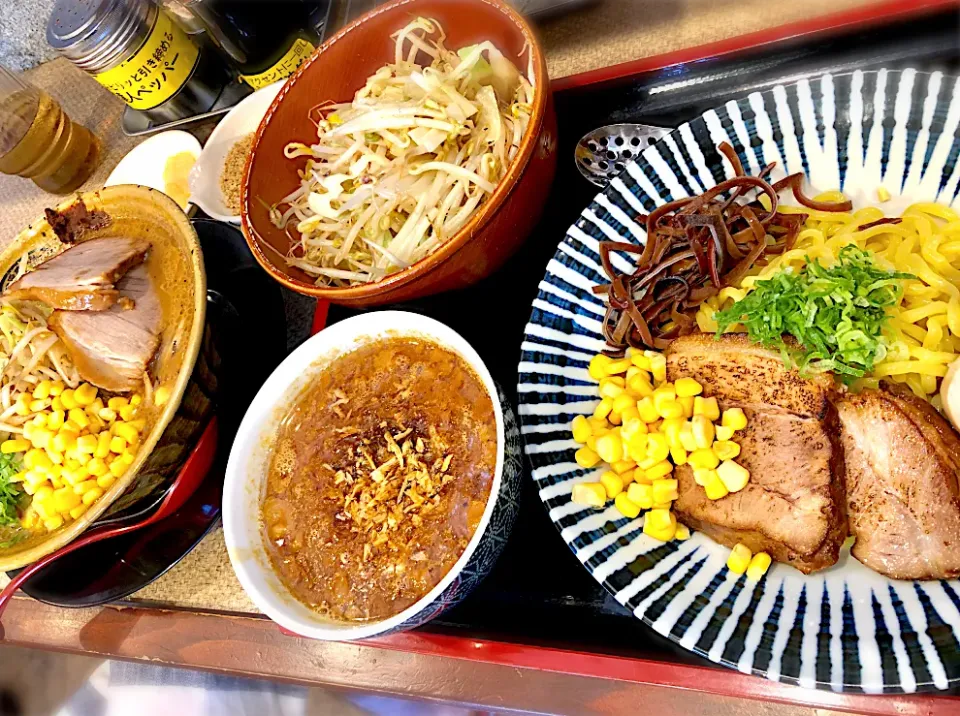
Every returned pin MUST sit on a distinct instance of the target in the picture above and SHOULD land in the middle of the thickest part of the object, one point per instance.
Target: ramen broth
(380, 475)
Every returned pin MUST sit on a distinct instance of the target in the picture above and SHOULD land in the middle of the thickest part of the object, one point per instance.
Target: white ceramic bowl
(250, 455)
(205, 175)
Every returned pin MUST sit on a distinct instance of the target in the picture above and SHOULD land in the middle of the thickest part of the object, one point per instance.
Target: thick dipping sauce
(379, 478)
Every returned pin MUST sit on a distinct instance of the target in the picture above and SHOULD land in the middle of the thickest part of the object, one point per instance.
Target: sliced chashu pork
(112, 348)
(82, 278)
(794, 505)
(902, 469)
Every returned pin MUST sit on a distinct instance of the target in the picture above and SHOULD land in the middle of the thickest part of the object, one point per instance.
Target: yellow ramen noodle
(924, 328)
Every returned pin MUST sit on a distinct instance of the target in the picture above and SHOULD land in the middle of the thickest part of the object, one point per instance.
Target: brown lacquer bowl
(335, 72)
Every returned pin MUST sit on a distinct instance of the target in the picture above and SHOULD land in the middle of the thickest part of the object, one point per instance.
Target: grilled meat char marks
(902, 484)
(83, 277)
(794, 505)
(112, 348)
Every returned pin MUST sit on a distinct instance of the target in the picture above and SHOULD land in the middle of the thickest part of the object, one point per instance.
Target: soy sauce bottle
(265, 40)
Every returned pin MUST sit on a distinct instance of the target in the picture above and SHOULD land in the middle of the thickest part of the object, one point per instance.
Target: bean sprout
(399, 170)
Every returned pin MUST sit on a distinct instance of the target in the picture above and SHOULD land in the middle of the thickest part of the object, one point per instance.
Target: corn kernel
(117, 468)
(632, 428)
(30, 519)
(65, 499)
(126, 431)
(665, 490)
(109, 415)
(703, 432)
(658, 448)
(53, 522)
(723, 433)
(68, 400)
(670, 409)
(706, 406)
(590, 494)
(85, 486)
(42, 391)
(55, 420)
(581, 430)
(626, 506)
(42, 494)
(37, 405)
(128, 412)
(18, 477)
(726, 449)
(609, 448)
(617, 367)
(734, 418)
(630, 413)
(682, 533)
(664, 391)
(640, 385)
(739, 559)
(78, 511)
(36, 458)
(715, 488)
(612, 483)
(95, 407)
(609, 388)
(16, 445)
(97, 467)
(759, 564)
(883, 194)
(687, 405)
(640, 495)
(39, 420)
(678, 455)
(596, 368)
(128, 458)
(654, 427)
(57, 388)
(117, 403)
(91, 496)
(687, 387)
(658, 366)
(640, 361)
(103, 444)
(57, 404)
(161, 395)
(637, 447)
(734, 475)
(85, 394)
(624, 401)
(702, 475)
(63, 441)
(602, 410)
(586, 457)
(614, 419)
(661, 469)
(79, 418)
(87, 444)
(660, 524)
(703, 458)
(56, 457)
(648, 412)
(687, 440)
(41, 437)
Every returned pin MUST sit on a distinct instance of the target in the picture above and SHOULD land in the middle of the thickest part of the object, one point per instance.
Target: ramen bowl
(185, 361)
(335, 72)
(247, 469)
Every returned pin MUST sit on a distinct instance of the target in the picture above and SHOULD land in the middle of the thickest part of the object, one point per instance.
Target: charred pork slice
(83, 277)
(902, 492)
(112, 348)
(794, 505)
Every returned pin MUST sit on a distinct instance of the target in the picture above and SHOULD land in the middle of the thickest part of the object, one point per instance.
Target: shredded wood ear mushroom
(395, 480)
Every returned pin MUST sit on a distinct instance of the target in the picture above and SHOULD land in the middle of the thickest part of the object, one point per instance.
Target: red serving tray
(640, 671)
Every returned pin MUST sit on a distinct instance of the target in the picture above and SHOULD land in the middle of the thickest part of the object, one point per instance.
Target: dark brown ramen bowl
(335, 72)
(187, 359)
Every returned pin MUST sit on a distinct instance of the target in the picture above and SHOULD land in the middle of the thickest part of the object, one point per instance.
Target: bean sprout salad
(399, 170)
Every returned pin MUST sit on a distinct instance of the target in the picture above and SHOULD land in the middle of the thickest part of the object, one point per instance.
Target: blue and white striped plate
(846, 628)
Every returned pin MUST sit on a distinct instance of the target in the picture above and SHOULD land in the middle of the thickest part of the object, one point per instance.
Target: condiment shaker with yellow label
(135, 50)
(39, 141)
(263, 40)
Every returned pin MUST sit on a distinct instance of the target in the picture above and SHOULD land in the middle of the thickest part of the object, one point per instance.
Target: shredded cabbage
(403, 167)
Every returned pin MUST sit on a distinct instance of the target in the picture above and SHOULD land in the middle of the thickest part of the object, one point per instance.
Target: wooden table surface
(198, 616)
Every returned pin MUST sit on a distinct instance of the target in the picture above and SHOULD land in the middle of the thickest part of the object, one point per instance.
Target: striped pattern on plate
(846, 628)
